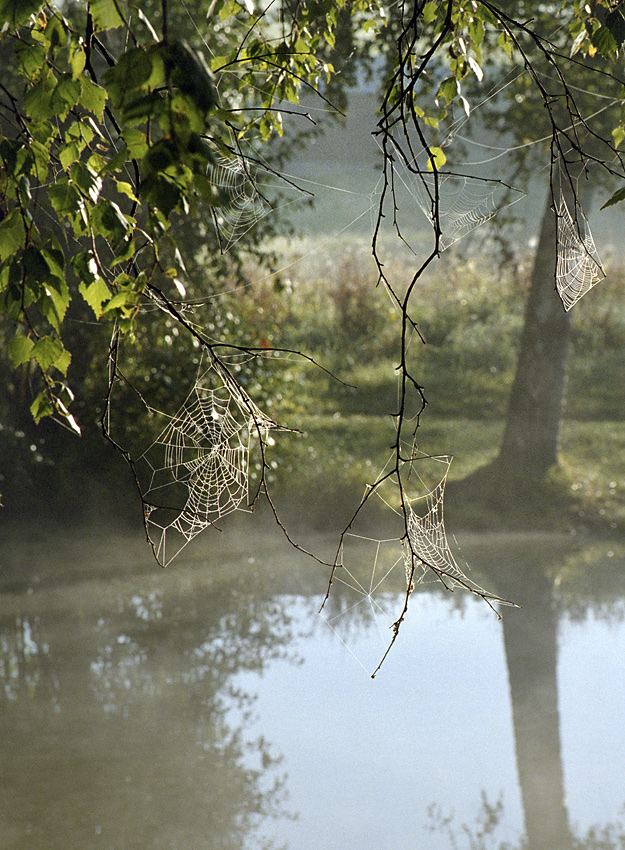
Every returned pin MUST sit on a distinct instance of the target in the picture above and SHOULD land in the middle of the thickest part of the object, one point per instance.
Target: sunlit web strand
(464, 202)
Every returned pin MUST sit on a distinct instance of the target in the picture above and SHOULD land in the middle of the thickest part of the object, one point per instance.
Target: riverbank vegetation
(470, 315)
(322, 300)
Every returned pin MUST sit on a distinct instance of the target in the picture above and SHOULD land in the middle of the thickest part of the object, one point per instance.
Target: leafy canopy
(109, 126)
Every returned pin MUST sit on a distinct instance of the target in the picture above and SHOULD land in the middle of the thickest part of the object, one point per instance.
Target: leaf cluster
(109, 130)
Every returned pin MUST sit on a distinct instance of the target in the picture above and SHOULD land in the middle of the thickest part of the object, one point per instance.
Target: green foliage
(106, 141)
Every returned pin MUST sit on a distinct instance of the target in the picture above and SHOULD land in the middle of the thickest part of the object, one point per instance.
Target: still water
(210, 706)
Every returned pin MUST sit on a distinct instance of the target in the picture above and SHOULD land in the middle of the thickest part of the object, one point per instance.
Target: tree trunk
(532, 433)
(530, 639)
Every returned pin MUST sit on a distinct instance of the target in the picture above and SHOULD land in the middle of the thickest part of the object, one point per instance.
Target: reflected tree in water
(533, 576)
(149, 725)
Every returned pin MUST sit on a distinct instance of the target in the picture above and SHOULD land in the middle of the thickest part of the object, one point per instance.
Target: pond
(210, 705)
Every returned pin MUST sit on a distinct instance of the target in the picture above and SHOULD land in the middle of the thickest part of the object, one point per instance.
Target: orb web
(368, 588)
(454, 204)
(374, 579)
(578, 266)
(240, 205)
(197, 469)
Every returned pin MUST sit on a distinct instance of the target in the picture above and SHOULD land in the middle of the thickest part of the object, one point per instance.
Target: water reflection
(120, 726)
(179, 709)
(549, 580)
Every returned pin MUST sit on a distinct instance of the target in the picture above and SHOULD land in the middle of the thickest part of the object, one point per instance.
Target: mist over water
(209, 705)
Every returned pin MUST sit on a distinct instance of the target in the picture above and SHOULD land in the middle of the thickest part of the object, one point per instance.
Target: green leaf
(437, 159)
(144, 106)
(54, 303)
(618, 134)
(31, 57)
(506, 44)
(77, 61)
(92, 288)
(605, 42)
(41, 406)
(12, 234)
(87, 180)
(38, 99)
(65, 198)
(136, 143)
(69, 154)
(189, 71)
(616, 24)
(54, 257)
(35, 266)
(430, 11)
(449, 89)
(131, 71)
(110, 222)
(92, 96)
(66, 95)
(95, 294)
(48, 351)
(123, 252)
(105, 15)
(616, 198)
(20, 349)
(15, 12)
(55, 32)
(228, 9)
(161, 155)
(163, 193)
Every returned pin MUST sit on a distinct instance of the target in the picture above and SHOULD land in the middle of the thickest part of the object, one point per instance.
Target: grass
(471, 315)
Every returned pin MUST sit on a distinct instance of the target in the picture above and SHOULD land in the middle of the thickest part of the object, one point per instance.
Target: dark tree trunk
(530, 634)
(532, 433)
(530, 639)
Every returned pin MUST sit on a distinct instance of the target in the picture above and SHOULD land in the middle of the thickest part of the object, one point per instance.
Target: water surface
(210, 706)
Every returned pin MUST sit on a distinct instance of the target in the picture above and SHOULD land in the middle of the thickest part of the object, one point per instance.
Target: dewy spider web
(375, 578)
(369, 584)
(240, 204)
(460, 202)
(427, 548)
(578, 266)
(197, 469)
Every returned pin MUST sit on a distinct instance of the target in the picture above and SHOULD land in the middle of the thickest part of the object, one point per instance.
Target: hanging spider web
(197, 469)
(241, 205)
(457, 203)
(427, 549)
(578, 266)
(369, 586)
(375, 578)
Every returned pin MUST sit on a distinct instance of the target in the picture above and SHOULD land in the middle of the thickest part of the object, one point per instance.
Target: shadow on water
(128, 697)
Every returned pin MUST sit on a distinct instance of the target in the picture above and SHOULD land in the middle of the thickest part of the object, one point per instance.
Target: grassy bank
(470, 313)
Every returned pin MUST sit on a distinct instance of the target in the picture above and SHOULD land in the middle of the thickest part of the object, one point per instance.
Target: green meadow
(469, 311)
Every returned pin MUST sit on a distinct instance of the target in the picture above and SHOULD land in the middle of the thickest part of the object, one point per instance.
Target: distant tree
(553, 78)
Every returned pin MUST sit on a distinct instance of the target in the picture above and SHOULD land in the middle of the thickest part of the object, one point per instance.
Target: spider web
(241, 205)
(197, 469)
(376, 577)
(457, 203)
(369, 586)
(427, 549)
(578, 266)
